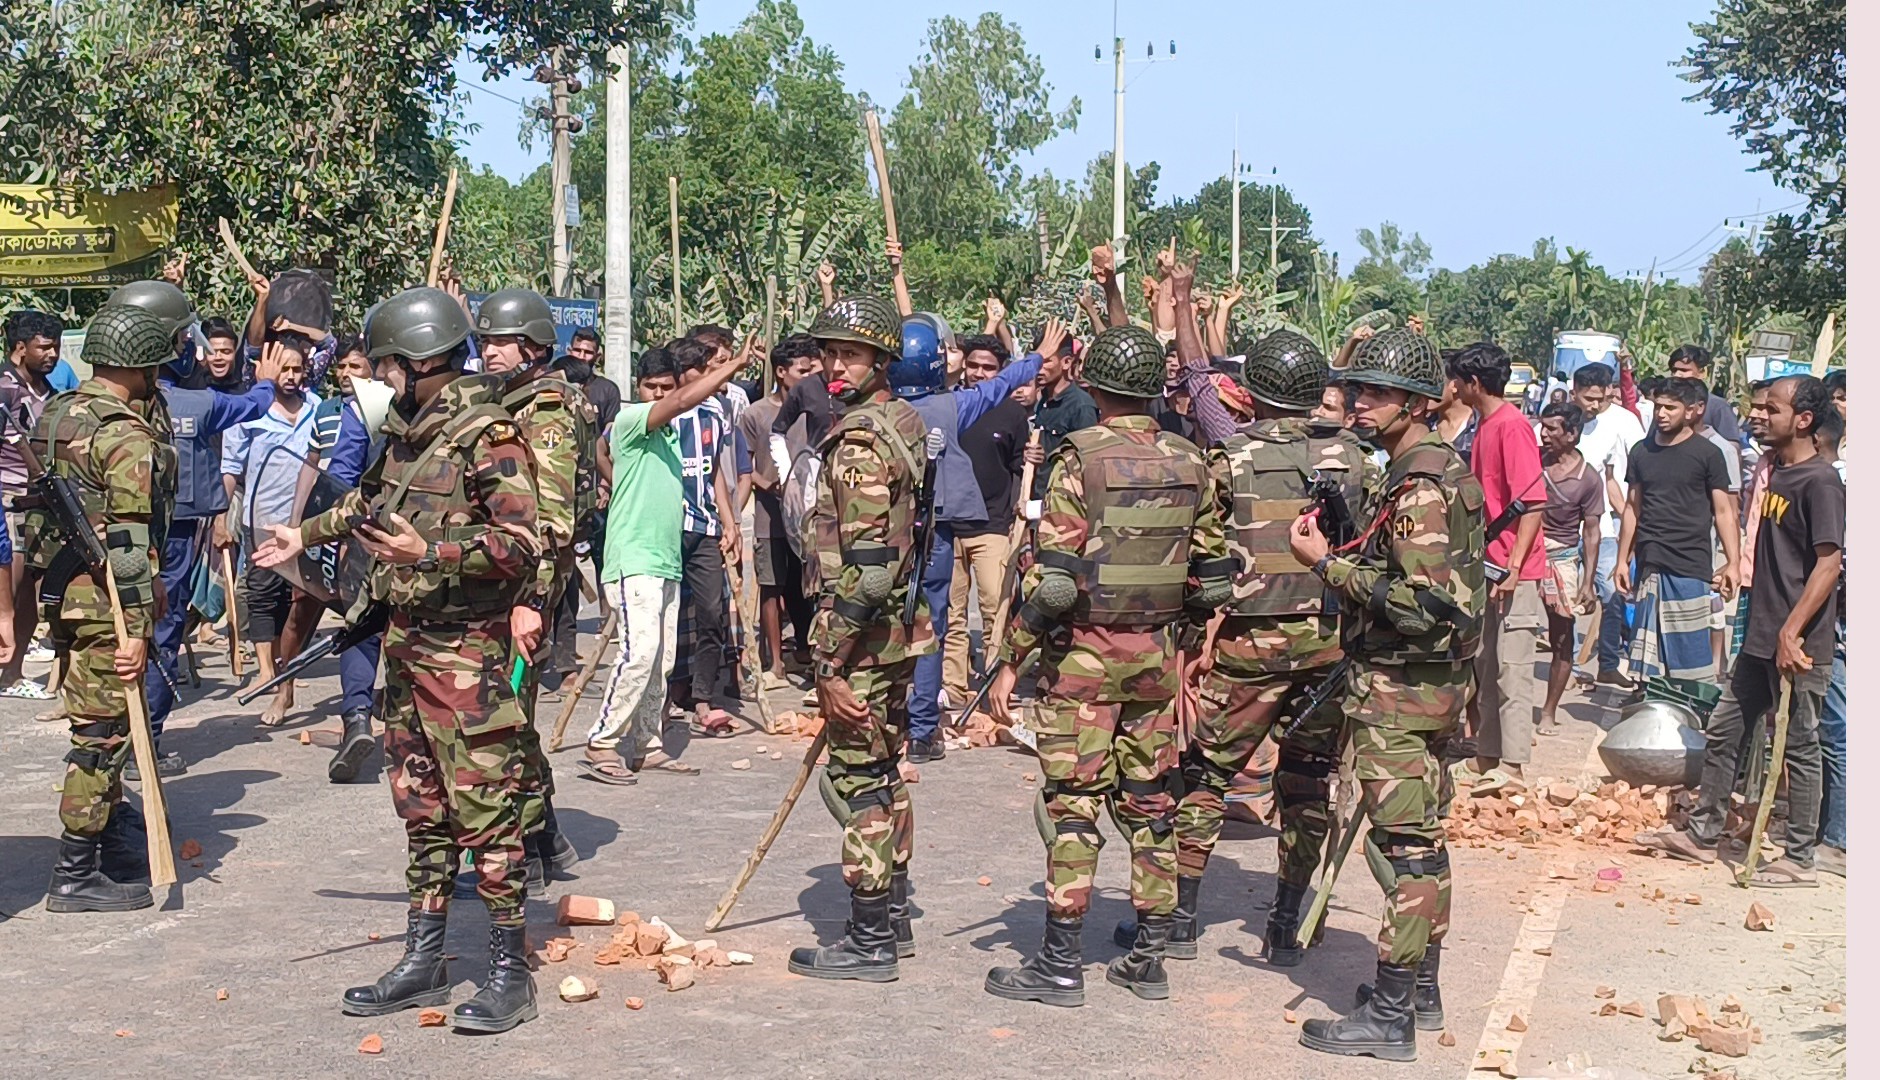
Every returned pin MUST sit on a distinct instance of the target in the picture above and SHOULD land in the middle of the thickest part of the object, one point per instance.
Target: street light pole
(1233, 176)
(1117, 173)
(619, 297)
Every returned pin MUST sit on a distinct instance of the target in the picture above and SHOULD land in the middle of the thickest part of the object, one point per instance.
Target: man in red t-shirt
(1507, 460)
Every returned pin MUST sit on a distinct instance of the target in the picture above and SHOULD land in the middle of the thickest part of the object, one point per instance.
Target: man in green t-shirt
(640, 576)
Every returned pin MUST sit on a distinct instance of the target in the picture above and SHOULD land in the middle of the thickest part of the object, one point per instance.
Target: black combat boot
(1428, 998)
(124, 849)
(1381, 1027)
(508, 995)
(1282, 947)
(899, 916)
(867, 952)
(355, 746)
(1184, 933)
(78, 884)
(1140, 969)
(1055, 976)
(420, 978)
(556, 853)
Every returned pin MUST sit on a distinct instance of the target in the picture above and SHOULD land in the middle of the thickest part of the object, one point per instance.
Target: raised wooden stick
(901, 298)
(234, 249)
(156, 815)
(573, 696)
(808, 766)
(443, 229)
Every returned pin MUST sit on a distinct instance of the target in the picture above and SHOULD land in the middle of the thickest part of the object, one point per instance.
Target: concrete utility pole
(1119, 174)
(563, 123)
(1273, 230)
(618, 315)
(1233, 174)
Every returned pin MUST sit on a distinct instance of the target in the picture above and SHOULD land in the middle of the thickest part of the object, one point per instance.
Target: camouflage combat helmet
(1286, 370)
(522, 312)
(1401, 358)
(126, 336)
(1126, 360)
(415, 324)
(867, 320)
(161, 299)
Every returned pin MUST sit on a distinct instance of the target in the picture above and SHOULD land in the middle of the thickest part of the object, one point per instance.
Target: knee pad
(1414, 856)
(1134, 794)
(1050, 828)
(1199, 771)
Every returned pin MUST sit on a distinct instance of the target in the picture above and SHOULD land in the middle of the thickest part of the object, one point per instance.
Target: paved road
(296, 874)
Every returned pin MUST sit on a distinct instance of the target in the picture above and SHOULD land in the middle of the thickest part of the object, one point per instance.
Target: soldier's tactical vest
(1457, 633)
(897, 433)
(63, 440)
(429, 487)
(1140, 501)
(1271, 467)
(523, 402)
(199, 490)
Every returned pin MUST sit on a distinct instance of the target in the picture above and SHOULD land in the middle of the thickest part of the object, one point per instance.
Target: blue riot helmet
(922, 365)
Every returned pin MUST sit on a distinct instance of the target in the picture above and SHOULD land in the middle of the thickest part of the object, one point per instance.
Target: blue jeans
(1834, 755)
(1612, 607)
(358, 670)
(923, 707)
(182, 549)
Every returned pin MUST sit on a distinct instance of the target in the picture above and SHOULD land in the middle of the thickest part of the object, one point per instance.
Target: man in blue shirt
(917, 378)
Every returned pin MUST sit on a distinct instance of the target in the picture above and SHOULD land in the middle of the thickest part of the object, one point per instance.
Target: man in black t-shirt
(1678, 488)
(1792, 610)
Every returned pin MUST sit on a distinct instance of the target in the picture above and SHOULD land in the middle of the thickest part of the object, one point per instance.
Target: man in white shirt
(1605, 439)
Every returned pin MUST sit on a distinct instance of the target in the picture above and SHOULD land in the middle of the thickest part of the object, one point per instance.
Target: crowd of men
(1353, 557)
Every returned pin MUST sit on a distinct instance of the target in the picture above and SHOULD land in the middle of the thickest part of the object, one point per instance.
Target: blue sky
(1481, 125)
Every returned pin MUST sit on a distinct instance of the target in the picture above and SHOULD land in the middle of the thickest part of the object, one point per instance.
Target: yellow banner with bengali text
(52, 237)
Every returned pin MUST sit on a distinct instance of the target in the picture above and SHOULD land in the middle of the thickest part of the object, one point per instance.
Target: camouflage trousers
(1122, 754)
(538, 780)
(1401, 716)
(453, 747)
(94, 697)
(1237, 714)
(864, 766)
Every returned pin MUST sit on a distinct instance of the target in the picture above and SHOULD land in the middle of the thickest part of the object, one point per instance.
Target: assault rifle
(923, 526)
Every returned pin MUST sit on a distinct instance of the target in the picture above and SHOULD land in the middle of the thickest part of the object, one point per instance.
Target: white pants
(646, 613)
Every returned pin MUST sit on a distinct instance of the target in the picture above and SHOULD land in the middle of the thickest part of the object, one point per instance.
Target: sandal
(1463, 774)
(27, 689)
(1497, 782)
(608, 770)
(1549, 727)
(664, 763)
(1676, 843)
(1784, 873)
(717, 726)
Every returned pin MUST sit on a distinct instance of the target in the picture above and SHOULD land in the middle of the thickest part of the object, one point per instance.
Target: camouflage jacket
(125, 472)
(460, 474)
(866, 499)
(558, 424)
(1416, 589)
(1251, 645)
(1106, 663)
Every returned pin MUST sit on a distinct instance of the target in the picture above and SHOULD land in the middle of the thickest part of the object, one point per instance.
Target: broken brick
(741, 764)
(1290, 1017)
(574, 988)
(739, 958)
(636, 1004)
(1730, 1042)
(306, 738)
(677, 976)
(1688, 1010)
(221, 995)
(1633, 1008)
(609, 954)
(432, 1018)
(985, 880)
(371, 1044)
(1517, 1023)
(1604, 991)
(1608, 1009)
(1759, 917)
(189, 850)
(628, 918)
(649, 939)
(557, 949)
(1445, 1039)
(584, 911)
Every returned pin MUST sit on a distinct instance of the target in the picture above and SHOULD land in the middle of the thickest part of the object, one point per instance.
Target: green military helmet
(161, 299)
(1126, 360)
(127, 336)
(1401, 358)
(521, 312)
(1286, 370)
(867, 320)
(415, 324)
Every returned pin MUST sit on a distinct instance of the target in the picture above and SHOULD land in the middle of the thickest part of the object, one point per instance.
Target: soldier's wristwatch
(427, 562)
(826, 670)
(1324, 561)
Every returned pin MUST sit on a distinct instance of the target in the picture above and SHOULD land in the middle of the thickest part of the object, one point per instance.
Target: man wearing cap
(449, 515)
(100, 438)
(1415, 590)
(1130, 517)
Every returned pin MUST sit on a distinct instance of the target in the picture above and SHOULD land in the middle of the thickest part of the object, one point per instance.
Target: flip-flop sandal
(607, 772)
(1677, 844)
(28, 690)
(57, 712)
(1549, 729)
(669, 765)
(1783, 874)
(719, 726)
(1496, 782)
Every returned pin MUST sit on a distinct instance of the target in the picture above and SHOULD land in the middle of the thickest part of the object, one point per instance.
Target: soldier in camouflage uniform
(1275, 643)
(516, 335)
(1415, 589)
(862, 530)
(1130, 516)
(448, 512)
(100, 438)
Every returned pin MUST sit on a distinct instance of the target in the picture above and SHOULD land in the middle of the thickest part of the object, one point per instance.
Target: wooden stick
(746, 611)
(234, 613)
(901, 298)
(1769, 784)
(1017, 537)
(156, 815)
(672, 202)
(771, 830)
(234, 249)
(443, 229)
(1328, 876)
(573, 696)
